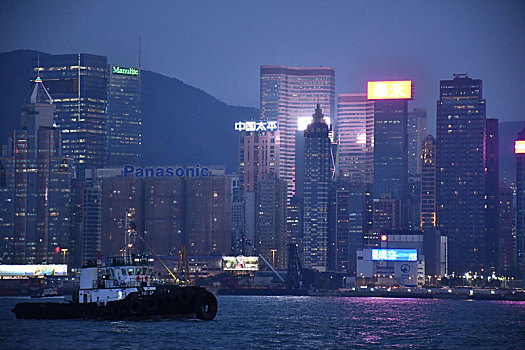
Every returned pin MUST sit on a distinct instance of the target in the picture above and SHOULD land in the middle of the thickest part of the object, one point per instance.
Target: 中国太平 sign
(125, 71)
(258, 125)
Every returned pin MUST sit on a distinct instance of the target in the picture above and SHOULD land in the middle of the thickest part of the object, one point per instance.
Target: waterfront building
(78, 85)
(169, 211)
(492, 193)
(520, 201)
(288, 95)
(318, 172)
(124, 119)
(41, 179)
(7, 209)
(461, 172)
(417, 130)
(507, 242)
(257, 158)
(428, 183)
(355, 137)
(270, 230)
(387, 214)
(351, 201)
(391, 141)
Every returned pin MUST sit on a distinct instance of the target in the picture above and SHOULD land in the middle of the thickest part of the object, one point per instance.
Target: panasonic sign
(194, 171)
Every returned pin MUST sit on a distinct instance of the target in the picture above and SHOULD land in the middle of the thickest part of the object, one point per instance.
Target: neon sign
(259, 125)
(125, 71)
(520, 147)
(389, 90)
(394, 254)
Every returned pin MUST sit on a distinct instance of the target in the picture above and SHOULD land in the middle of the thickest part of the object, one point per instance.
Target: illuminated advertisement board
(259, 125)
(389, 90)
(240, 263)
(520, 147)
(33, 270)
(394, 254)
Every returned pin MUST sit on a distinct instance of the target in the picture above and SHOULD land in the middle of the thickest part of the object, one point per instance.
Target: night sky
(218, 46)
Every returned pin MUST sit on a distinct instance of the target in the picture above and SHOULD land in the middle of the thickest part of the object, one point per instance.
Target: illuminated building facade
(257, 158)
(460, 168)
(391, 141)
(520, 201)
(42, 183)
(428, 183)
(124, 119)
(78, 85)
(318, 173)
(355, 137)
(289, 95)
(417, 130)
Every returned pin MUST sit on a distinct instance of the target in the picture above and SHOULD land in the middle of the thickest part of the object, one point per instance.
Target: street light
(64, 250)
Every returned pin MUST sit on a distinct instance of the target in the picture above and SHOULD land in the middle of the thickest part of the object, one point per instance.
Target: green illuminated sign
(126, 71)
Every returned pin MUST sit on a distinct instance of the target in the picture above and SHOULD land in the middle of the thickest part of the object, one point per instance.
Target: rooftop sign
(125, 71)
(394, 254)
(259, 125)
(195, 171)
(520, 147)
(389, 90)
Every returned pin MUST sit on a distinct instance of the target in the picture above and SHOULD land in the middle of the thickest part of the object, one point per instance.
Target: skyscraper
(507, 244)
(492, 193)
(78, 85)
(318, 172)
(391, 141)
(355, 137)
(42, 183)
(520, 201)
(428, 184)
(417, 130)
(461, 172)
(288, 95)
(124, 121)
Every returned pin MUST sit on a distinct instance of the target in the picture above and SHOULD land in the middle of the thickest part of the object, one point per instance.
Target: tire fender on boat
(205, 306)
(150, 303)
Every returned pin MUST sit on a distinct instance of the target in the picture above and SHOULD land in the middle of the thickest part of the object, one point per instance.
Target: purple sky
(218, 46)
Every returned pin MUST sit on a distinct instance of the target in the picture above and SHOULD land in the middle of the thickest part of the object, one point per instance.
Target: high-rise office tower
(520, 201)
(318, 172)
(491, 193)
(257, 158)
(270, 221)
(507, 246)
(288, 95)
(351, 201)
(124, 120)
(428, 183)
(391, 141)
(78, 85)
(417, 130)
(355, 137)
(42, 183)
(461, 172)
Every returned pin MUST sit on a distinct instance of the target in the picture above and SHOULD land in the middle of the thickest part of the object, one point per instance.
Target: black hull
(164, 303)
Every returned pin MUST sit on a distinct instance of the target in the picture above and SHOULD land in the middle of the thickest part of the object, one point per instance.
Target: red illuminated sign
(389, 90)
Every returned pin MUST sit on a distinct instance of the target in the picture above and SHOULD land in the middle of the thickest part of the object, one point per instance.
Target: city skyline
(421, 43)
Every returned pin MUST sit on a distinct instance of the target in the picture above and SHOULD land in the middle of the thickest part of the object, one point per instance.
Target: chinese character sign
(389, 90)
(259, 125)
(394, 254)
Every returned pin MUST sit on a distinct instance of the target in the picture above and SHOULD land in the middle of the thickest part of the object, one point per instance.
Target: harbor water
(262, 322)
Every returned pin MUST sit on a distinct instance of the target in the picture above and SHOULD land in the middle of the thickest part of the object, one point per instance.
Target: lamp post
(64, 250)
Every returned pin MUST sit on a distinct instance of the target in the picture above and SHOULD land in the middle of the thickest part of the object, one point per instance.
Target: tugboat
(125, 290)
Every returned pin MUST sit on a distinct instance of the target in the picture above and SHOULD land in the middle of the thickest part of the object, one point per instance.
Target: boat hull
(163, 303)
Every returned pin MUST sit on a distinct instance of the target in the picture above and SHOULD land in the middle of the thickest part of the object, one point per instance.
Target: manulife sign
(125, 71)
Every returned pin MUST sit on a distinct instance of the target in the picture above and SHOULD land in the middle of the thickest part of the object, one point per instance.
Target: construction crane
(266, 261)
